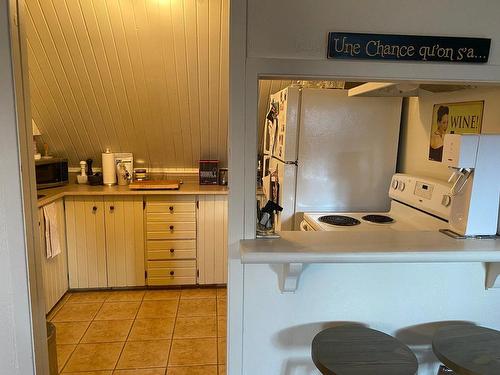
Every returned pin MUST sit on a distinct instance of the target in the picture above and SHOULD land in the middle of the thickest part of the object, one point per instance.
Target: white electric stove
(418, 204)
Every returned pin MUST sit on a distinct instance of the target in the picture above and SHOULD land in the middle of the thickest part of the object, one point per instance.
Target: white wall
(408, 301)
(16, 352)
(288, 39)
(416, 127)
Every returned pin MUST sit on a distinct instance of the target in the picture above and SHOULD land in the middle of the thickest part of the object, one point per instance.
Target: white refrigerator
(326, 152)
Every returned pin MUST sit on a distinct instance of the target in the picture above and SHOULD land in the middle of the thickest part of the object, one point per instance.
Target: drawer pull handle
(171, 227)
(111, 208)
(94, 209)
(171, 208)
(172, 250)
(172, 273)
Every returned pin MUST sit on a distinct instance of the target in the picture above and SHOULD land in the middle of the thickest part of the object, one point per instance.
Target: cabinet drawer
(170, 207)
(168, 249)
(171, 230)
(162, 217)
(171, 272)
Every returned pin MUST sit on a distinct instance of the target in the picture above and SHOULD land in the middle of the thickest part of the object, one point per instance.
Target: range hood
(392, 89)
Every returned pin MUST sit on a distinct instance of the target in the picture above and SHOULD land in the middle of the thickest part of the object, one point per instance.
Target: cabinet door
(86, 242)
(212, 239)
(124, 240)
(54, 270)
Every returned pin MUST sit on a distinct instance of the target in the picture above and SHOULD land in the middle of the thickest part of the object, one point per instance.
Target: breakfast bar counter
(295, 249)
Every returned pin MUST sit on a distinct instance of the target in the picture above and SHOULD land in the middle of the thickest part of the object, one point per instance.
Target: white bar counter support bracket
(290, 275)
(492, 273)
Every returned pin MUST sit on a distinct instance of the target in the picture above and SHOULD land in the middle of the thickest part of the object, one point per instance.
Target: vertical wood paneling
(145, 76)
(124, 241)
(86, 242)
(212, 239)
(54, 270)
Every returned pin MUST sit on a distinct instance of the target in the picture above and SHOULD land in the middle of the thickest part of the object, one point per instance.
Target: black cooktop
(379, 219)
(340, 220)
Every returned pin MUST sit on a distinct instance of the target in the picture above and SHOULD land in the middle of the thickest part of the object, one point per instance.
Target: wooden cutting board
(154, 185)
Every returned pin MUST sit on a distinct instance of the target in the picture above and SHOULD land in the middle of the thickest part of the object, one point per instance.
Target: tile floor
(142, 332)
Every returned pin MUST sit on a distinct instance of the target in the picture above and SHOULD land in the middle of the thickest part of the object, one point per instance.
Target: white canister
(108, 168)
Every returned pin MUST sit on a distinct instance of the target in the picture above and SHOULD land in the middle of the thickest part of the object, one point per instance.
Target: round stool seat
(354, 350)
(468, 349)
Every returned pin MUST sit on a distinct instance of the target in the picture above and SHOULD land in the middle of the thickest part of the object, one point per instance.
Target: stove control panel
(427, 194)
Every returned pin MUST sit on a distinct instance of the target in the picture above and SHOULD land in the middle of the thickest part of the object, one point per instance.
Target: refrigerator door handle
(289, 162)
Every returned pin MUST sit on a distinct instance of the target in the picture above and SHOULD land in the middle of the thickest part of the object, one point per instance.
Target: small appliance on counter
(208, 172)
(51, 172)
(475, 162)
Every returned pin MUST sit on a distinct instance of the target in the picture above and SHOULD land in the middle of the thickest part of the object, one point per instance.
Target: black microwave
(51, 172)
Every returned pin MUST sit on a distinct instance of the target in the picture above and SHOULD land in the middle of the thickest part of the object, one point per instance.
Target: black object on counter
(89, 167)
(95, 179)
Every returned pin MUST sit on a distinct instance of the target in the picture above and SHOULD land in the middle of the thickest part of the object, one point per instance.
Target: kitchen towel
(52, 244)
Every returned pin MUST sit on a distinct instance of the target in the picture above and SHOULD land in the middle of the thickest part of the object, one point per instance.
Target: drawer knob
(94, 209)
(172, 250)
(171, 227)
(111, 208)
(171, 208)
(172, 273)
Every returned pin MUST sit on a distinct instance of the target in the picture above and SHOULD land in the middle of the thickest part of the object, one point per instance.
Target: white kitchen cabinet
(170, 226)
(212, 239)
(86, 241)
(105, 237)
(54, 270)
(123, 217)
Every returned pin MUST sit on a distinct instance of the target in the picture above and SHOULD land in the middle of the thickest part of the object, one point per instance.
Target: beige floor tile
(158, 309)
(86, 297)
(107, 331)
(193, 352)
(222, 370)
(199, 293)
(221, 326)
(222, 307)
(126, 295)
(195, 327)
(70, 332)
(77, 312)
(118, 310)
(197, 307)
(63, 354)
(92, 357)
(152, 295)
(140, 371)
(192, 370)
(106, 372)
(221, 350)
(152, 329)
(144, 354)
(221, 292)
(57, 307)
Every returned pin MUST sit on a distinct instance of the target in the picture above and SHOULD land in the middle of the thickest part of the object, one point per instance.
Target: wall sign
(453, 118)
(408, 47)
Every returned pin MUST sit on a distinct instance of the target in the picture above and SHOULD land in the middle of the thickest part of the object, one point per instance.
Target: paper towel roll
(108, 168)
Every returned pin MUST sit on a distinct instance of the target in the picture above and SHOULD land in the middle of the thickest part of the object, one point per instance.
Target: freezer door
(286, 124)
(347, 151)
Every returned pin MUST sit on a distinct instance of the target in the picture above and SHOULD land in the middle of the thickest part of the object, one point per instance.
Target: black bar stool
(468, 349)
(355, 350)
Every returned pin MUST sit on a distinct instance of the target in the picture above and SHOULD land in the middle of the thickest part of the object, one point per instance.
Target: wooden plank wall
(144, 76)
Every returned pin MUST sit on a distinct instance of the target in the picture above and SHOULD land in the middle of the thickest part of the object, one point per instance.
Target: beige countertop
(53, 194)
(369, 247)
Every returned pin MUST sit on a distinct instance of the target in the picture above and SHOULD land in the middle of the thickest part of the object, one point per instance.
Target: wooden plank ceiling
(143, 76)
